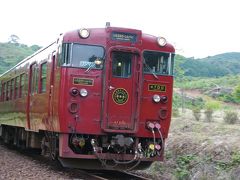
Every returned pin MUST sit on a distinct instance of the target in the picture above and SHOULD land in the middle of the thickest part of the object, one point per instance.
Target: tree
(35, 47)
(236, 93)
(13, 39)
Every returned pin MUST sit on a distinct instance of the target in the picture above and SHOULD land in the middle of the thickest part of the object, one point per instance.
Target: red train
(95, 98)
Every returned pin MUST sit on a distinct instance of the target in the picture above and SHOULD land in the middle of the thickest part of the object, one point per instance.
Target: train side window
(21, 86)
(60, 55)
(1, 91)
(16, 93)
(43, 77)
(64, 54)
(8, 90)
(12, 89)
(4, 92)
(34, 79)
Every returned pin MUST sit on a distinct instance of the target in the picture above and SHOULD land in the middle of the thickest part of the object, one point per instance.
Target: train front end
(115, 98)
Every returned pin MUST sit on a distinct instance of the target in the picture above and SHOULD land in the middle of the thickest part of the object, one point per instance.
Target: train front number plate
(83, 81)
(157, 87)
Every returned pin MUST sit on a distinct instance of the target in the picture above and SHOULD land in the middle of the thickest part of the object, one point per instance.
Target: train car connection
(98, 98)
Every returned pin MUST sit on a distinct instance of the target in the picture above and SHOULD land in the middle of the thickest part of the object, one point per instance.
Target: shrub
(210, 107)
(184, 164)
(208, 114)
(175, 112)
(197, 114)
(213, 105)
(230, 117)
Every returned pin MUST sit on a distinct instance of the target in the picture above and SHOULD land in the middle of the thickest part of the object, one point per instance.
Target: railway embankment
(199, 149)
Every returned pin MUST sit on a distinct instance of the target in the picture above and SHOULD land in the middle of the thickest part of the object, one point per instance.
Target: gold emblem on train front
(120, 96)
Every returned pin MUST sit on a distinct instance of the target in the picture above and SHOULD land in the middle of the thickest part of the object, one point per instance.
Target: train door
(122, 92)
(32, 90)
(51, 91)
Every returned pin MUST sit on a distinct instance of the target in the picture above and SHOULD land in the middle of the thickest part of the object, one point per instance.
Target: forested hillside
(212, 66)
(12, 53)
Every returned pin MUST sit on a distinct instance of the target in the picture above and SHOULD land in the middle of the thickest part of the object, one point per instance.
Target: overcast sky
(197, 28)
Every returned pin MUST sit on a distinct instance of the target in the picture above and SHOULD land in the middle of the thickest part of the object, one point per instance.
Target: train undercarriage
(115, 151)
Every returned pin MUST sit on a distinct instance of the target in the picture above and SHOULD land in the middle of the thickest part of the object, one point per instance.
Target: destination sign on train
(122, 36)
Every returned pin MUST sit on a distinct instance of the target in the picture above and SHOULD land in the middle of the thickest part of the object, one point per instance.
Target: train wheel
(49, 146)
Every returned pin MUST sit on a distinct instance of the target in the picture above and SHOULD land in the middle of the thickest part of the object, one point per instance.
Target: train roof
(100, 34)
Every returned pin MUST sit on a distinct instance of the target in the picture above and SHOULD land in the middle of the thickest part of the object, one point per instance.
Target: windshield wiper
(153, 73)
(90, 67)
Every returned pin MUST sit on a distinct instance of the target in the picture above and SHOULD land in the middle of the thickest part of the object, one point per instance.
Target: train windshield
(158, 63)
(83, 56)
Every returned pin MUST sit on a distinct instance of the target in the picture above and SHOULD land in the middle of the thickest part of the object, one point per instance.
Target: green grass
(204, 84)
(230, 91)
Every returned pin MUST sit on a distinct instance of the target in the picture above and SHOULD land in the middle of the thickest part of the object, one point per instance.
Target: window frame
(41, 89)
(34, 79)
(21, 84)
(12, 89)
(130, 65)
(1, 86)
(17, 83)
(8, 90)
(67, 56)
(4, 91)
(170, 64)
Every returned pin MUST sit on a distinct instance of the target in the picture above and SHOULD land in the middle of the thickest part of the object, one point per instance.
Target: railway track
(114, 175)
(17, 164)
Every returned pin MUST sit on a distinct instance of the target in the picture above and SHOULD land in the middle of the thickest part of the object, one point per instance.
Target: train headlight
(98, 61)
(161, 41)
(84, 33)
(156, 98)
(83, 92)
